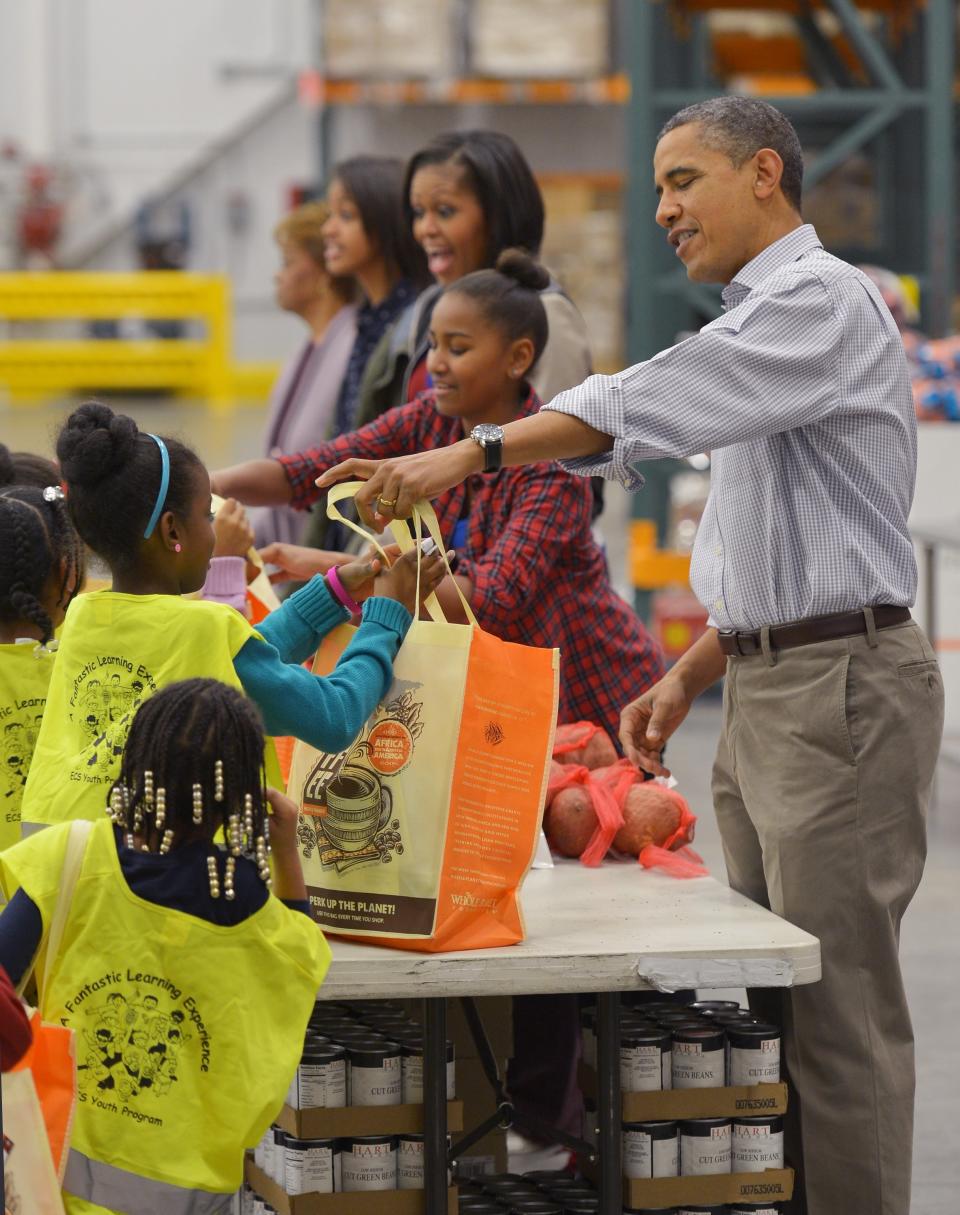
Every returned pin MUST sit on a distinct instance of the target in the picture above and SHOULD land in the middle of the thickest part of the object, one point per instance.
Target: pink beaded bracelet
(341, 593)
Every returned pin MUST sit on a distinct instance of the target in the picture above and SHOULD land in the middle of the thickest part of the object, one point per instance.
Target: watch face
(486, 433)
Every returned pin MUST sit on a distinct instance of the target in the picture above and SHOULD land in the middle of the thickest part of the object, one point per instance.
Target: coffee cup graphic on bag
(358, 806)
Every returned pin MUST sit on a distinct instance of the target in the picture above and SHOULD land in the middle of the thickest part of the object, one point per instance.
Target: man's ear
(768, 172)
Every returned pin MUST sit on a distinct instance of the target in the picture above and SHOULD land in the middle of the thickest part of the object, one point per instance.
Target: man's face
(707, 205)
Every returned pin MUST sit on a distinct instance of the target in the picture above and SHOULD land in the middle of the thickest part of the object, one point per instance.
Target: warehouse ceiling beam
(871, 52)
(906, 112)
(825, 61)
(940, 166)
(852, 140)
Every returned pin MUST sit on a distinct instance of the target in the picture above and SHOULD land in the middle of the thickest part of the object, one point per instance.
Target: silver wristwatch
(490, 438)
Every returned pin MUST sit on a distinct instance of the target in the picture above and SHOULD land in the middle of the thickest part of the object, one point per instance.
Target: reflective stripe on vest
(118, 1190)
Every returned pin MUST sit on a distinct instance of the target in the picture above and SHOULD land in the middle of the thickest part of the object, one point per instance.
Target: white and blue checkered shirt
(801, 394)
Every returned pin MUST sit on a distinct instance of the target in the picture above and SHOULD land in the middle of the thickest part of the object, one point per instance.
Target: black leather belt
(807, 632)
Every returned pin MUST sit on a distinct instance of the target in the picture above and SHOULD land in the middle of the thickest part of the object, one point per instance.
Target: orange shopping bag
(51, 1060)
(420, 833)
(53, 1066)
(31, 1184)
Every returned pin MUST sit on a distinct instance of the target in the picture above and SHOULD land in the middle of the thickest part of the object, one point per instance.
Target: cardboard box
(747, 1101)
(373, 38)
(362, 1120)
(375, 1202)
(773, 1185)
(496, 1013)
(539, 37)
(584, 248)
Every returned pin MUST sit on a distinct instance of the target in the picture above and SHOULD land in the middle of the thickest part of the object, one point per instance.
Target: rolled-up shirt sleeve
(743, 377)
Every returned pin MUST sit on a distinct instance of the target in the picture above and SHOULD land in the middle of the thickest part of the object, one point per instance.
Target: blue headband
(164, 485)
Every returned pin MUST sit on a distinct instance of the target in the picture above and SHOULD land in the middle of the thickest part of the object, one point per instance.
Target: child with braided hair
(26, 468)
(188, 981)
(142, 503)
(41, 569)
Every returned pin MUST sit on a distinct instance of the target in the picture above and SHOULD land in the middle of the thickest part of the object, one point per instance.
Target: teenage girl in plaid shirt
(527, 560)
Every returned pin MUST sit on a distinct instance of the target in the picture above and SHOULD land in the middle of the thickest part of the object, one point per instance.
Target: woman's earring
(177, 547)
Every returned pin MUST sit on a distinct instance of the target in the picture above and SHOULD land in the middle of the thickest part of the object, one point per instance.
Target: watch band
(492, 457)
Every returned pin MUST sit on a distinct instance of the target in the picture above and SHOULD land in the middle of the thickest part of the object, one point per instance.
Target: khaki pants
(821, 785)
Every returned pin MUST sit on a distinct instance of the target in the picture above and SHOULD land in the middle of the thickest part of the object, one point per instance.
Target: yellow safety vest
(25, 670)
(116, 650)
(187, 1033)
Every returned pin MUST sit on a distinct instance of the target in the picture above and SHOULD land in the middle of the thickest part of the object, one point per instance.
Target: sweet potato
(570, 821)
(595, 749)
(599, 751)
(651, 814)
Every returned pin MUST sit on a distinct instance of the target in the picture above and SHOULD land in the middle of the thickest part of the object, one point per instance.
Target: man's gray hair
(739, 127)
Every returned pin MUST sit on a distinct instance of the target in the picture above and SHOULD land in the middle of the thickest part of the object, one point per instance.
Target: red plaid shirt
(538, 575)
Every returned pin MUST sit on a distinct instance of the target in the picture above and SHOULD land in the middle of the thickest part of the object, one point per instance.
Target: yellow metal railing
(198, 365)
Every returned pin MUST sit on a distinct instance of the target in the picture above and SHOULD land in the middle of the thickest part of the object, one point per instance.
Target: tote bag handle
(423, 515)
(72, 861)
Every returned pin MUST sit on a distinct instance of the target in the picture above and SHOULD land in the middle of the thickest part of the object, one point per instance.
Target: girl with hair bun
(188, 970)
(142, 503)
(526, 556)
(41, 569)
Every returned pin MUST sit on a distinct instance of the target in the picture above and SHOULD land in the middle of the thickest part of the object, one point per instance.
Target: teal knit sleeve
(326, 711)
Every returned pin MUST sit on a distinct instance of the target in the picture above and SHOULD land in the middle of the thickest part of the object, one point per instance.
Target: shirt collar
(369, 315)
(789, 248)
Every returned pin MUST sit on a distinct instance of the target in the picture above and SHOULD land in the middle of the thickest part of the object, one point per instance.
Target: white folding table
(605, 930)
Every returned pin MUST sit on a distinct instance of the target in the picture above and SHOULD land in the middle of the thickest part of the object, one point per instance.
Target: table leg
(608, 1103)
(435, 1106)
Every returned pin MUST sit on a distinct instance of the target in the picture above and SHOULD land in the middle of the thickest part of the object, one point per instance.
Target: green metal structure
(904, 116)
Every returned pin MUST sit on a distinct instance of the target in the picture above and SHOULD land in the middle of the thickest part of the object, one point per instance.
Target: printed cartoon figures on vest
(104, 706)
(131, 1043)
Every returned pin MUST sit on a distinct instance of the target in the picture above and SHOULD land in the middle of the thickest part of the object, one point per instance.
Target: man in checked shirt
(833, 703)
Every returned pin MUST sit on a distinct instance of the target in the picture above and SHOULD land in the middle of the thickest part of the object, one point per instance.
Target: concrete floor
(931, 929)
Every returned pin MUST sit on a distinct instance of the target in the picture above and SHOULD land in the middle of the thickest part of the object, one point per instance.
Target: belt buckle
(732, 633)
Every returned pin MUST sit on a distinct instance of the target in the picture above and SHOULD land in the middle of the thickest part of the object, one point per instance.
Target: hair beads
(213, 876)
(160, 816)
(193, 766)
